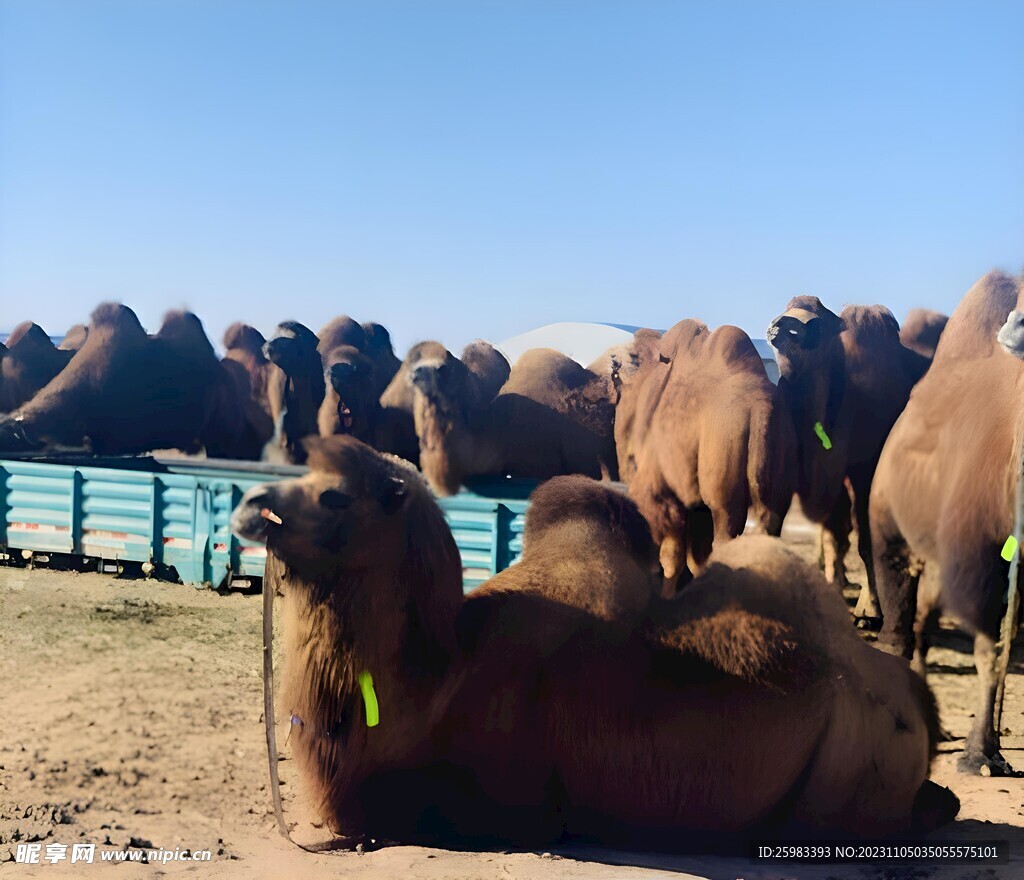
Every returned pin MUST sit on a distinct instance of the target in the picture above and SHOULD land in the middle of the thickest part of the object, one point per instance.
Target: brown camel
(921, 331)
(244, 345)
(708, 439)
(29, 362)
(943, 496)
(845, 378)
(527, 710)
(378, 349)
(125, 392)
(352, 406)
(295, 390)
(552, 416)
(361, 595)
(74, 339)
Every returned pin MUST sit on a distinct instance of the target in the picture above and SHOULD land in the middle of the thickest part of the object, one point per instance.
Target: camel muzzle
(254, 514)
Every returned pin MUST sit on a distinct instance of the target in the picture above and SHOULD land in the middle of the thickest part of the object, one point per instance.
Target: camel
(552, 416)
(244, 345)
(125, 392)
(845, 379)
(921, 331)
(527, 710)
(30, 360)
(373, 340)
(295, 390)
(352, 406)
(360, 596)
(942, 502)
(74, 339)
(707, 437)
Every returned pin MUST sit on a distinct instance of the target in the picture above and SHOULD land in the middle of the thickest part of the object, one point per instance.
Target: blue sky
(471, 169)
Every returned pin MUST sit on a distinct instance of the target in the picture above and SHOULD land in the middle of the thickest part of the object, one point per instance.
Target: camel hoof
(982, 765)
(867, 622)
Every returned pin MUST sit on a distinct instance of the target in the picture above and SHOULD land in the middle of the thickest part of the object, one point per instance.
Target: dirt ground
(132, 717)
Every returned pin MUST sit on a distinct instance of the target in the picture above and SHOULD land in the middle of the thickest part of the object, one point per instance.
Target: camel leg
(981, 751)
(924, 625)
(701, 531)
(867, 602)
(836, 541)
(673, 562)
(897, 581)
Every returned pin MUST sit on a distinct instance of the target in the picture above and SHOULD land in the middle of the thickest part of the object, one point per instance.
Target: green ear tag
(819, 429)
(369, 699)
(1009, 548)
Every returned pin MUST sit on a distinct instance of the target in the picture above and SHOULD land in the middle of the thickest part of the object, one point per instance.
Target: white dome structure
(585, 342)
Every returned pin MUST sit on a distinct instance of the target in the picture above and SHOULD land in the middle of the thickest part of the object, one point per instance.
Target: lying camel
(845, 379)
(635, 734)
(942, 502)
(708, 438)
(125, 392)
(30, 360)
(552, 416)
(295, 390)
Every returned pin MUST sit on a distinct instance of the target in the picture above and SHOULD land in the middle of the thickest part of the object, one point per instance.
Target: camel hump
(732, 347)
(922, 329)
(685, 338)
(113, 318)
(552, 366)
(972, 328)
(184, 331)
(576, 498)
(489, 365)
(342, 330)
(875, 323)
(75, 338)
(245, 337)
(29, 335)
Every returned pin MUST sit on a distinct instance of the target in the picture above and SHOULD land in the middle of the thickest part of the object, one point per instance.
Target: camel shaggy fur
(30, 361)
(921, 331)
(125, 392)
(552, 416)
(850, 375)
(528, 709)
(943, 496)
(708, 437)
(372, 582)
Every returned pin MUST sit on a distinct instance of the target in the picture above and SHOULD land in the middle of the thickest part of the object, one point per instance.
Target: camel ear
(392, 497)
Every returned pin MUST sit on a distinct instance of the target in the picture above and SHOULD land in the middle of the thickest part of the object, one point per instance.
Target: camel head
(1011, 334)
(292, 347)
(350, 374)
(342, 515)
(804, 334)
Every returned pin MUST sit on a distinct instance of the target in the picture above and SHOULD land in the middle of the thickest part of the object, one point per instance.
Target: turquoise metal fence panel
(176, 513)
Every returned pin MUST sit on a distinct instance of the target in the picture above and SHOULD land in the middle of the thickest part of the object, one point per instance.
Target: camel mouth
(345, 417)
(1011, 335)
(254, 516)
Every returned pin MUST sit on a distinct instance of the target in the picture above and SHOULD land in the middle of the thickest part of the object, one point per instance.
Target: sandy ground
(132, 717)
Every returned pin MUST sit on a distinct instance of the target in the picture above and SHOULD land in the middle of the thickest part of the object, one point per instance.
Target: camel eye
(332, 499)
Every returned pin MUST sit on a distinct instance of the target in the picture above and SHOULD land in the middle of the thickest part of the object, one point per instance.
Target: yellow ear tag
(1009, 548)
(369, 699)
(819, 429)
